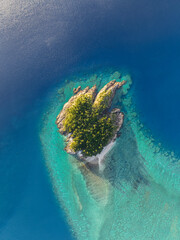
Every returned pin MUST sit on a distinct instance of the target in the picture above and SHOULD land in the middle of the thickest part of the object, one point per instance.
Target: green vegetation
(89, 129)
(102, 101)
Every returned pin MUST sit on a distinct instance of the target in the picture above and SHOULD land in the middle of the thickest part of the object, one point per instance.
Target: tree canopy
(89, 128)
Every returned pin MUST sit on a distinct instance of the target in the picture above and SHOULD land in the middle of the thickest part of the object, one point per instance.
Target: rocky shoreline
(103, 101)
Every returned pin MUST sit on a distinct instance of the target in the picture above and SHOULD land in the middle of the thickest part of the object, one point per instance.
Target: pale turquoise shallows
(136, 195)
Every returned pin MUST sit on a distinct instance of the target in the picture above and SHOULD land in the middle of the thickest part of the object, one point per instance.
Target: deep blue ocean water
(44, 41)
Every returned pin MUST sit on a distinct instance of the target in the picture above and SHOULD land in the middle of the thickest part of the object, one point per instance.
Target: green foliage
(90, 131)
(102, 102)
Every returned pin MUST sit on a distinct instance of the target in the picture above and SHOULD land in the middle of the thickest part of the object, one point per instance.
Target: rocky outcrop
(76, 90)
(106, 95)
(102, 101)
(117, 116)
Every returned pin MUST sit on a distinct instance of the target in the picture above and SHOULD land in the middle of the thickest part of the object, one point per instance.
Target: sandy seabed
(136, 196)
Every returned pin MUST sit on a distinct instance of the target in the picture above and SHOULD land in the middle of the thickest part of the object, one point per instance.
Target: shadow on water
(123, 164)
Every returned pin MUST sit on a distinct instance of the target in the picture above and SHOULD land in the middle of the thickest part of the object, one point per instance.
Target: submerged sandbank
(137, 194)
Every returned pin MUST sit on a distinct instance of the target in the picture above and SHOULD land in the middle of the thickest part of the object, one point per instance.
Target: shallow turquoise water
(135, 196)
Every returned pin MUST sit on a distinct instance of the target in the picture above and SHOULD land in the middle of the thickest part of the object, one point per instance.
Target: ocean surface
(44, 43)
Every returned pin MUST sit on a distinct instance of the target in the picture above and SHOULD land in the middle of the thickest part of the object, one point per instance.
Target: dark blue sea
(44, 42)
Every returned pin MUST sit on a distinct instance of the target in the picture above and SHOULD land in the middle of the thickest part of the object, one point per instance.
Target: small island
(87, 121)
